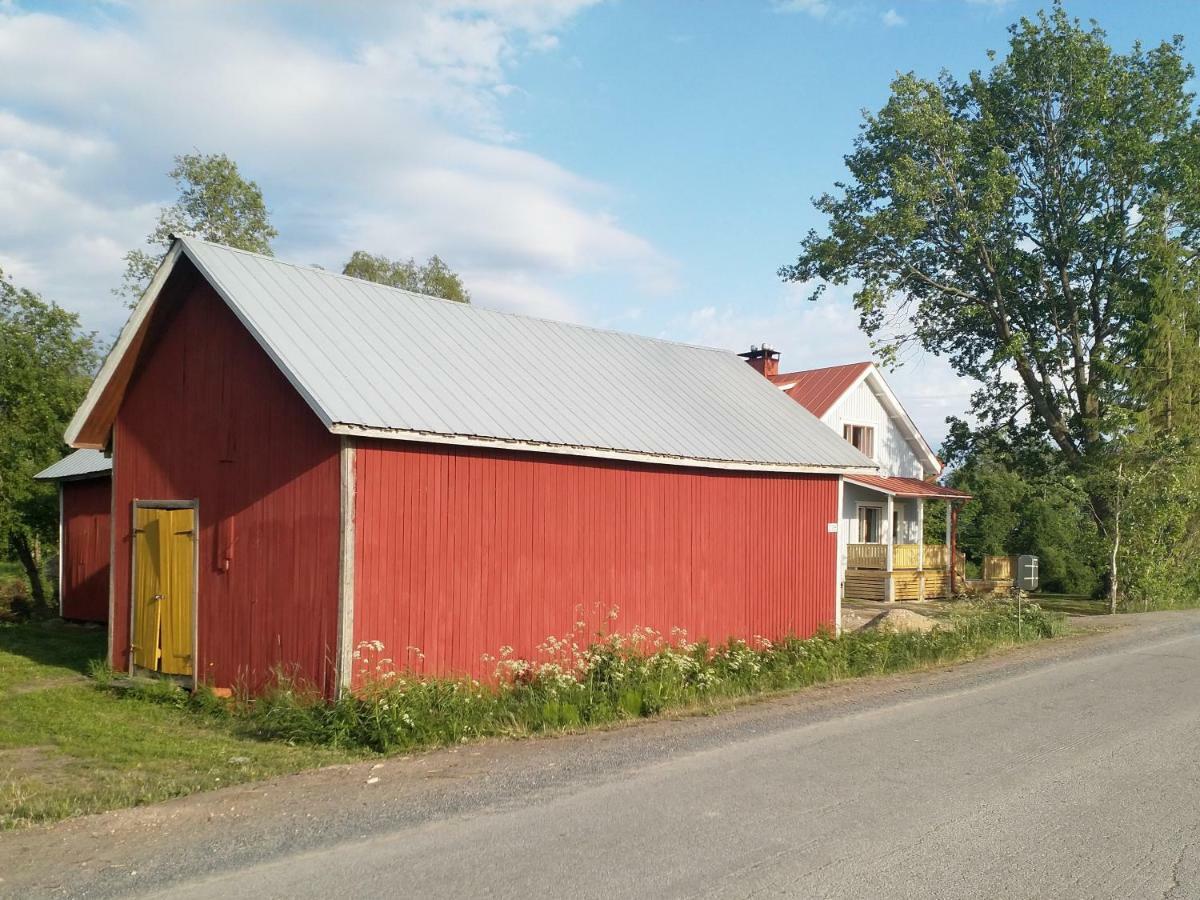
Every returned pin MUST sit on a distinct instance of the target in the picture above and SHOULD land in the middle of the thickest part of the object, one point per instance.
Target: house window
(862, 437)
(869, 518)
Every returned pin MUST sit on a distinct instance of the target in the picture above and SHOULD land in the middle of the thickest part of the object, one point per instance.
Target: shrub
(614, 677)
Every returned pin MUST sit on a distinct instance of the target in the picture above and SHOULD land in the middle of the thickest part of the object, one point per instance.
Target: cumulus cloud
(370, 126)
(893, 19)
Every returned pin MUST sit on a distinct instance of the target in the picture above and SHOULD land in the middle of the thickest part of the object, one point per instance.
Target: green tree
(1020, 507)
(1010, 218)
(1150, 475)
(46, 363)
(434, 278)
(215, 203)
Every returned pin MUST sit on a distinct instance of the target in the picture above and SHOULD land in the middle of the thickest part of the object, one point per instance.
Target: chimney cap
(764, 351)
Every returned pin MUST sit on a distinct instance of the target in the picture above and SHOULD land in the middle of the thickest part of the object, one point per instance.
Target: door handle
(156, 597)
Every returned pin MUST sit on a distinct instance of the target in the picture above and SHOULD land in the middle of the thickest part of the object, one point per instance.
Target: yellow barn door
(163, 585)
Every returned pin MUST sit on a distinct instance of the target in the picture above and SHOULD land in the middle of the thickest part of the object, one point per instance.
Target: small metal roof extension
(907, 487)
(375, 361)
(77, 466)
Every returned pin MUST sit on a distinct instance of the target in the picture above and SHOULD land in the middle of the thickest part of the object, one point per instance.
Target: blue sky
(642, 166)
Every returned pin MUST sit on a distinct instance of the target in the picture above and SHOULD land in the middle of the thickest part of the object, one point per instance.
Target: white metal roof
(378, 361)
(78, 465)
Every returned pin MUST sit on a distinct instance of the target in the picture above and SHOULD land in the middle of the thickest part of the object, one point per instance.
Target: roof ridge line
(470, 306)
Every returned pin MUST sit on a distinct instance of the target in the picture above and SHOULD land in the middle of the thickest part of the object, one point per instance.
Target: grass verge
(68, 748)
(70, 745)
(581, 684)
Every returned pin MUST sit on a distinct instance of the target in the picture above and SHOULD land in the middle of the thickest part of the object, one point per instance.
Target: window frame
(858, 519)
(868, 431)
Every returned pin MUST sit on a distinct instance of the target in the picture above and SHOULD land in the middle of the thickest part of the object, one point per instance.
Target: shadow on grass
(1070, 604)
(54, 643)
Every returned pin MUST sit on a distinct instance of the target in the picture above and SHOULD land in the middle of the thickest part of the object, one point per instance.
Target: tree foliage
(215, 203)
(434, 278)
(1011, 216)
(46, 363)
(1046, 514)
(1149, 476)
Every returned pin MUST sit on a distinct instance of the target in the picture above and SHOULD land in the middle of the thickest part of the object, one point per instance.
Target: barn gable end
(207, 416)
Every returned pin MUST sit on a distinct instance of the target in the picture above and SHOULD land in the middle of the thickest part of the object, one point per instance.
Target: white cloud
(893, 19)
(375, 127)
(810, 335)
(816, 8)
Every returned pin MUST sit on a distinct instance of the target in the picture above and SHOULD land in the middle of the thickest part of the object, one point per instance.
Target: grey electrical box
(1027, 572)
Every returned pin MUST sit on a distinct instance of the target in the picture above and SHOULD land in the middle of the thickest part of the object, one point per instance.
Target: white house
(883, 553)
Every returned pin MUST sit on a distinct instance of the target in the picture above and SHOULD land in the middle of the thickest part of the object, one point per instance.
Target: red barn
(305, 461)
(84, 538)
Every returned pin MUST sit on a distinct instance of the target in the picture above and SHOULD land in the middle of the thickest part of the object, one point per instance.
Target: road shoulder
(130, 850)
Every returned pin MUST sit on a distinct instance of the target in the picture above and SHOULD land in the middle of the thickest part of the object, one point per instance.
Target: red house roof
(818, 389)
(907, 487)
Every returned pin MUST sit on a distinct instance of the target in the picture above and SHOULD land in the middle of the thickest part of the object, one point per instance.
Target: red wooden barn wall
(86, 513)
(207, 415)
(462, 551)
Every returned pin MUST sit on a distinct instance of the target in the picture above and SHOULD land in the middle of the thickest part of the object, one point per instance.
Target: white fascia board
(111, 362)
(426, 437)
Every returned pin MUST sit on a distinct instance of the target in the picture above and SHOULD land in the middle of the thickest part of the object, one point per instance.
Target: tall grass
(578, 684)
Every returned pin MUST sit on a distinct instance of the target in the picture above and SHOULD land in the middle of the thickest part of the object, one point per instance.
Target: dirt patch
(65, 681)
(902, 620)
(856, 620)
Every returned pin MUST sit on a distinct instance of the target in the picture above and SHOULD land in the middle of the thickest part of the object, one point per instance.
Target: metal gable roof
(77, 466)
(378, 361)
(817, 390)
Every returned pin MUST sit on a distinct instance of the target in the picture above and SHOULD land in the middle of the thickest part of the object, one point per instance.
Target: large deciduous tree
(45, 365)
(215, 203)
(434, 278)
(1007, 222)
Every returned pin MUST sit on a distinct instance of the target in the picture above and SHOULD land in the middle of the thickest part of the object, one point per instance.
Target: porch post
(949, 528)
(952, 542)
(890, 584)
(921, 547)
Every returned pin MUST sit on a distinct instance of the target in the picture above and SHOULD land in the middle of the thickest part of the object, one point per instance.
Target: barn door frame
(194, 506)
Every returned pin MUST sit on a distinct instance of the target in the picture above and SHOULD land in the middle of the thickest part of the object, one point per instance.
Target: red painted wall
(459, 552)
(86, 514)
(207, 415)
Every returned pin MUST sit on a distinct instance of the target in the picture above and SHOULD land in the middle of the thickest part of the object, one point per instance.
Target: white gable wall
(893, 453)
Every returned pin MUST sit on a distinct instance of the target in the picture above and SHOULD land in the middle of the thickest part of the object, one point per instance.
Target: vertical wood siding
(208, 416)
(460, 552)
(892, 451)
(86, 512)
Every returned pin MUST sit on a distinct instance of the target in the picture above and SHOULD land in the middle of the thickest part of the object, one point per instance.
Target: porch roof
(907, 487)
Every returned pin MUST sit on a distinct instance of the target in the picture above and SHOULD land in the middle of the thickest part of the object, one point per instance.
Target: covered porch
(885, 556)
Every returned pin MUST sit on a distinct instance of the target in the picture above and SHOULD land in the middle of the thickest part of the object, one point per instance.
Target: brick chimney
(764, 359)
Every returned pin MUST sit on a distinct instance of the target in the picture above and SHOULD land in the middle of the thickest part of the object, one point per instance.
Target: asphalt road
(1064, 771)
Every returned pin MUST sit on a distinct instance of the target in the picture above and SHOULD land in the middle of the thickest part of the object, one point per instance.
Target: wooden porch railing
(867, 576)
(904, 556)
(866, 556)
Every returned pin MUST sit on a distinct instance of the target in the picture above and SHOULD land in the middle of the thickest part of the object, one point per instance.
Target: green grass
(578, 684)
(1071, 604)
(68, 747)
